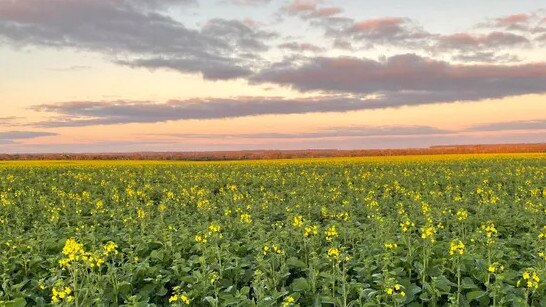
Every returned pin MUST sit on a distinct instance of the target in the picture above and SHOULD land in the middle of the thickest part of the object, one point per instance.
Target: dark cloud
(408, 79)
(211, 68)
(130, 34)
(493, 40)
(351, 34)
(514, 125)
(327, 133)
(393, 82)
(87, 113)
(9, 137)
(387, 30)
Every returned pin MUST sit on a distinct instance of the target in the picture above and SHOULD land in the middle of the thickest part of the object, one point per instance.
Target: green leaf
(295, 263)
(300, 284)
(18, 302)
(474, 295)
(468, 283)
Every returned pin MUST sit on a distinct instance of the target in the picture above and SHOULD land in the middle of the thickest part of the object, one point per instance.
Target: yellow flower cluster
(390, 246)
(529, 279)
(427, 233)
(61, 294)
(214, 228)
(462, 215)
(180, 298)
(542, 255)
(288, 301)
(542, 234)
(333, 252)
(396, 289)
(110, 248)
(213, 278)
(489, 229)
(406, 225)
(201, 238)
(245, 218)
(310, 231)
(456, 247)
(331, 233)
(297, 221)
(273, 248)
(140, 213)
(495, 268)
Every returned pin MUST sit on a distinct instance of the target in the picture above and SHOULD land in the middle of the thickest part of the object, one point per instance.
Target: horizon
(133, 76)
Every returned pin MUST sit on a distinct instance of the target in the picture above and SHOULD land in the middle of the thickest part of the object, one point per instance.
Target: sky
(208, 75)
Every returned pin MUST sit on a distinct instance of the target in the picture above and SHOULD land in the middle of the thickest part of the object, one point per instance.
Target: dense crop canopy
(467, 230)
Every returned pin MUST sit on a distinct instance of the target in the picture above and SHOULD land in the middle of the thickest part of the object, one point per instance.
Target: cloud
(131, 35)
(88, 113)
(493, 40)
(334, 132)
(249, 2)
(407, 79)
(301, 47)
(310, 9)
(514, 125)
(9, 137)
(7, 120)
(396, 81)
(485, 57)
(386, 30)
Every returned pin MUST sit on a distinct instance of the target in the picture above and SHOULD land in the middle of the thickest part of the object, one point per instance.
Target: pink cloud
(378, 24)
(513, 19)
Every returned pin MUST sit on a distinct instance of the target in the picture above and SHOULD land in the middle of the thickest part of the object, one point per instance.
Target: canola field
(400, 231)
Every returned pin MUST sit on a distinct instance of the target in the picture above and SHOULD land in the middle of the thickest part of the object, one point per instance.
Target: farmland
(392, 231)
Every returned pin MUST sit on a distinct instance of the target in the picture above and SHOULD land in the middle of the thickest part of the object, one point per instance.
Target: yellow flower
(110, 248)
(530, 279)
(214, 227)
(140, 213)
(456, 247)
(180, 298)
(245, 218)
(288, 301)
(489, 229)
(390, 246)
(201, 238)
(495, 268)
(333, 252)
(396, 290)
(297, 221)
(406, 225)
(427, 233)
(310, 231)
(462, 215)
(273, 248)
(58, 294)
(331, 233)
(542, 234)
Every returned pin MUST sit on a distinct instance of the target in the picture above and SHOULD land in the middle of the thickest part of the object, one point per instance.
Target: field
(460, 230)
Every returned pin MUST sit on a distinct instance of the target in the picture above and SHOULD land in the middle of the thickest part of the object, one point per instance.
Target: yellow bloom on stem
(456, 247)
(288, 301)
(333, 252)
(310, 231)
(331, 233)
(462, 215)
(297, 221)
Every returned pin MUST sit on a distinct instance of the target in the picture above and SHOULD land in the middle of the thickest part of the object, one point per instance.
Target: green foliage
(432, 231)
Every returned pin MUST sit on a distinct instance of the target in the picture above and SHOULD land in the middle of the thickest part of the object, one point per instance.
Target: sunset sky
(195, 75)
